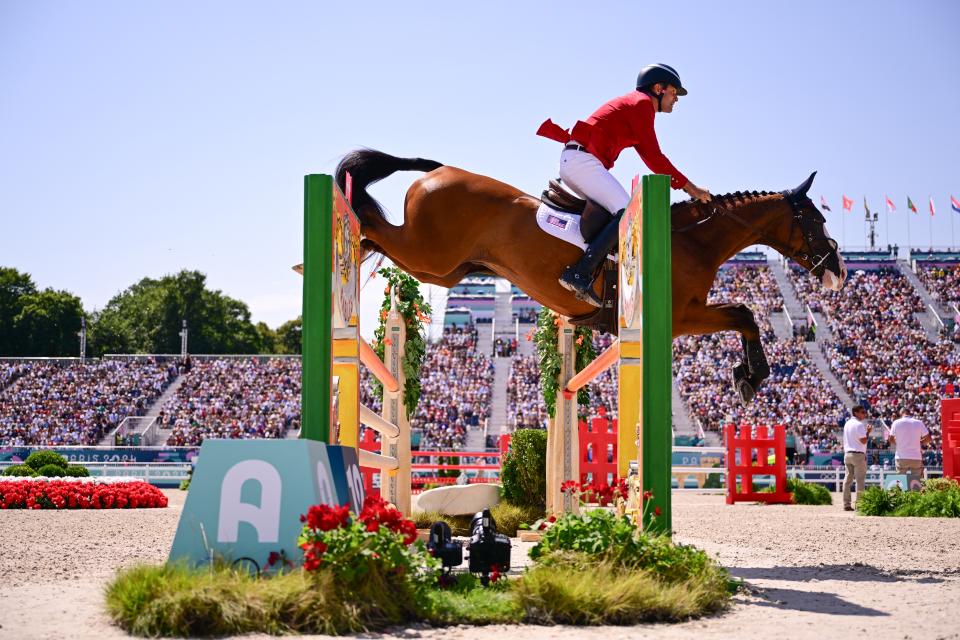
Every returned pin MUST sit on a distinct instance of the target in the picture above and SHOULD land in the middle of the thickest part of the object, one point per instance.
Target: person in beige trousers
(909, 435)
(855, 434)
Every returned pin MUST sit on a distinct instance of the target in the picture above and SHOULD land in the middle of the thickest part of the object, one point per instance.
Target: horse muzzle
(834, 273)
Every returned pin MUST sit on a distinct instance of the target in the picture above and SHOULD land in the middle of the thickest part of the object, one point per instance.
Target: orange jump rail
(372, 362)
(600, 364)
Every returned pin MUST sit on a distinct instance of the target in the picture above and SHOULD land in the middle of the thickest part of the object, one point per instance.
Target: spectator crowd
(50, 403)
(234, 398)
(456, 382)
(795, 394)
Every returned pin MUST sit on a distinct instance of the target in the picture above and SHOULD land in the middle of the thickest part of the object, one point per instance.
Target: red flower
(656, 511)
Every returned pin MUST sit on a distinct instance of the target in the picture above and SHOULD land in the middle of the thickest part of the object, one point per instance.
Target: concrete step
(683, 425)
(154, 410)
(790, 299)
(820, 361)
(498, 399)
(781, 327)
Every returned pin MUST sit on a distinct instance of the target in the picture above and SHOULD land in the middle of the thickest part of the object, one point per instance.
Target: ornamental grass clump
(360, 572)
(598, 568)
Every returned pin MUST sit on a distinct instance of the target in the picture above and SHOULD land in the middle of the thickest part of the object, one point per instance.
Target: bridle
(806, 224)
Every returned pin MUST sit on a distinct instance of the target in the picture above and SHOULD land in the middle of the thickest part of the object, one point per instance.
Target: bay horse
(457, 223)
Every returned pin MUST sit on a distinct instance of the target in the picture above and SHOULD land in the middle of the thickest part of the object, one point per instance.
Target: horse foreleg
(753, 370)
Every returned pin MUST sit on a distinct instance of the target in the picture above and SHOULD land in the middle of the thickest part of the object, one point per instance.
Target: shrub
(19, 470)
(606, 537)
(524, 472)
(39, 459)
(937, 499)
(77, 471)
(52, 471)
(805, 492)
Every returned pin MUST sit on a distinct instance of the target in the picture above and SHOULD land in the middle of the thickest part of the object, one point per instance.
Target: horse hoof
(746, 391)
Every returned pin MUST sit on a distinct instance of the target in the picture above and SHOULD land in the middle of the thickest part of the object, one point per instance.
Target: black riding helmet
(654, 73)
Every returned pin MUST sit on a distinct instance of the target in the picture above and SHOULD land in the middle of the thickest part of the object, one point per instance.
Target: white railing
(786, 312)
(936, 315)
(132, 426)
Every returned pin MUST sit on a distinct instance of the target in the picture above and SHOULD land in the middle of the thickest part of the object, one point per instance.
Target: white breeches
(583, 173)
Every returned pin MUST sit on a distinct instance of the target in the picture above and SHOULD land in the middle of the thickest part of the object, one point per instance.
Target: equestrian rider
(591, 148)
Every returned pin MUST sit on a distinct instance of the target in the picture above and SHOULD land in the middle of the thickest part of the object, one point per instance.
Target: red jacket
(623, 122)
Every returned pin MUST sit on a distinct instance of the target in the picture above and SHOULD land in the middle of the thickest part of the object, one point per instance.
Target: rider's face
(669, 99)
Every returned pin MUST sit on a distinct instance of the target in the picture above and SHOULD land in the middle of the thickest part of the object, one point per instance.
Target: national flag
(910, 205)
(847, 204)
(823, 204)
(932, 210)
(890, 207)
(955, 204)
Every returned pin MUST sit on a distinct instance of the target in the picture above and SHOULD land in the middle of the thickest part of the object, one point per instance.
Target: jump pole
(644, 353)
(333, 349)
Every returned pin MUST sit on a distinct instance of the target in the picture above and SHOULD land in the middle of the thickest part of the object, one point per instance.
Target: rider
(591, 148)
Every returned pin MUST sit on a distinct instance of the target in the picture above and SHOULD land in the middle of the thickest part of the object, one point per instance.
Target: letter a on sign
(265, 517)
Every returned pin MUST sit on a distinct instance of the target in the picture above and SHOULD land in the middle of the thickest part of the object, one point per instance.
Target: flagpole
(951, 233)
(931, 227)
(908, 233)
(888, 219)
(843, 223)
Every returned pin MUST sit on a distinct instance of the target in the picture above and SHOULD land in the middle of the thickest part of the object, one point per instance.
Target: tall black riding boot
(578, 278)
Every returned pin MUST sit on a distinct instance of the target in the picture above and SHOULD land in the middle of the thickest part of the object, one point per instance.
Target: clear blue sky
(141, 138)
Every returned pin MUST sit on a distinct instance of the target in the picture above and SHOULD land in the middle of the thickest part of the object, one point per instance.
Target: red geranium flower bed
(66, 494)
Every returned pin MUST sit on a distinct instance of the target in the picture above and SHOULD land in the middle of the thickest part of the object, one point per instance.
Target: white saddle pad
(565, 226)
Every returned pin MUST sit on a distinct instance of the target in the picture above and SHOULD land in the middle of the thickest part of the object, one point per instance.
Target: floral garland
(546, 337)
(415, 312)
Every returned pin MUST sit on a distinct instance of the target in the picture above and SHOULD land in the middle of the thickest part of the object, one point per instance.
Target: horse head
(812, 247)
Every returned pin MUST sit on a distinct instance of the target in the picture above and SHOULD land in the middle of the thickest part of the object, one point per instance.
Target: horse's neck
(753, 222)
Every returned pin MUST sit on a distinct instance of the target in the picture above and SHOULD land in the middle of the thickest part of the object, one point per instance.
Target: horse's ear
(803, 188)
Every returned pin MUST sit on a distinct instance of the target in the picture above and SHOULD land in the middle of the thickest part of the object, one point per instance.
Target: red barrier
(370, 442)
(598, 451)
(950, 432)
(740, 475)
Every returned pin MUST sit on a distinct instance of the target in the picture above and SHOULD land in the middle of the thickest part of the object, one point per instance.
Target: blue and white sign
(246, 497)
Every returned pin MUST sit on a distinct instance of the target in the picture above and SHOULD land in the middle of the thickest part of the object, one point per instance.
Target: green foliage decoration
(52, 471)
(603, 536)
(39, 459)
(546, 339)
(804, 492)
(938, 499)
(19, 471)
(415, 311)
(524, 470)
(77, 471)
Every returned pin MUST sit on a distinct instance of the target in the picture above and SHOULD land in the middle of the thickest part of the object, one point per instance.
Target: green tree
(13, 286)
(289, 336)
(148, 318)
(48, 323)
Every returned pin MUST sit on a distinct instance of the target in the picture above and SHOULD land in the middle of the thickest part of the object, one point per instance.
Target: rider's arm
(649, 148)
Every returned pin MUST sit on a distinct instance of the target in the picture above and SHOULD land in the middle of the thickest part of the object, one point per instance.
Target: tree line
(147, 317)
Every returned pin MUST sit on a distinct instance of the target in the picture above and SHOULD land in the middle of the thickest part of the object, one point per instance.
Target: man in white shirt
(855, 433)
(909, 435)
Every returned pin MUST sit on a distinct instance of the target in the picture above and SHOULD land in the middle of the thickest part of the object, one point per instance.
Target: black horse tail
(367, 166)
